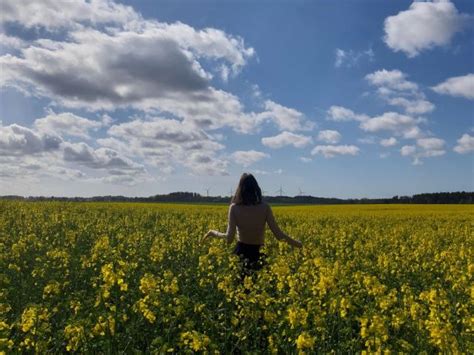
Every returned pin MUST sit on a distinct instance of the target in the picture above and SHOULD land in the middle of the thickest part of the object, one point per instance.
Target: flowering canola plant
(113, 277)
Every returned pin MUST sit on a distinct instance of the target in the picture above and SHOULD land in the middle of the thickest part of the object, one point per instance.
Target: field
(112, 278)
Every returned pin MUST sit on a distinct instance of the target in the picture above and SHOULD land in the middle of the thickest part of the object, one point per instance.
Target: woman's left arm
(231, 227)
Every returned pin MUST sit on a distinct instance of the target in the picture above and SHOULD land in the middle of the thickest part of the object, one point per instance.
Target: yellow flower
(304, 341)
(195, 340)
(74, 335)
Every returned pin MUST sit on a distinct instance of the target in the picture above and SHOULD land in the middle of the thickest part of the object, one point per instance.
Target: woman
(249, 214)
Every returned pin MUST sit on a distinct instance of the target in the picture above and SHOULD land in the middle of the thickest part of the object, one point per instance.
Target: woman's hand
(208, 234)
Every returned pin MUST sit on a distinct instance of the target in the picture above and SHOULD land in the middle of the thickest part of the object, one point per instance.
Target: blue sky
(343, 99)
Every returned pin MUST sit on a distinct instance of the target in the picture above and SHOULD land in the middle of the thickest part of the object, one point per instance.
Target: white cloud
(249, 157)
(329, 136)
(129, 180)
(256, 92)
(330, 151)
(342, 114)
(430, 144)
(146, 65)
(393, 79)
(34, 168)
(425, 148)
(68, 124)
(340, 57)
(286, 138)
(54, 14)
(398, 124)
(407, 150)
(285, 118)
(423, 26)
(367, 140)
(462, 86)
(38, 153)
(416, 106)
(98, 70)
(11, 42)
(19, 140)
(167, 142)
(350, 58)
(158, 131)
(389, 142)
(101, 158)
(465, 144)
(305, 159)
(394, 87)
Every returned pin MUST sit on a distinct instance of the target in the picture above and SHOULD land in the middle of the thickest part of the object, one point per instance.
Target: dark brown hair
(248, 192)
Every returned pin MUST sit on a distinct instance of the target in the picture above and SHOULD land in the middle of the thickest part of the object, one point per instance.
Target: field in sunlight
(103, 277)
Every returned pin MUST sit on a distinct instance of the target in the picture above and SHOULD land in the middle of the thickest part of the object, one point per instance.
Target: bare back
(250, 221)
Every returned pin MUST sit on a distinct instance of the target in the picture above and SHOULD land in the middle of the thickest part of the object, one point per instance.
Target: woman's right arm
(277, 232)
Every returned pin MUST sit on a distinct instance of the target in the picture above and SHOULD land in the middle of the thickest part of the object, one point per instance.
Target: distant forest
(192, 197)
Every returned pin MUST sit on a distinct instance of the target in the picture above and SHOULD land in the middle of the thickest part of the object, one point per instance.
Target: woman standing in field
(249, 214)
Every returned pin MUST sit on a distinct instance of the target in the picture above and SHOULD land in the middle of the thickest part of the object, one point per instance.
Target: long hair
(248, 192)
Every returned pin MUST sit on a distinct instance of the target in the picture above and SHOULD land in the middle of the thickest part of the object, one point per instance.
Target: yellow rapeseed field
(109, 278)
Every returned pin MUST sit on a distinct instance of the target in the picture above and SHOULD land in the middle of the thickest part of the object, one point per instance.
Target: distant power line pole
(300, 192)
(207, 191)
(280, 191)
(231, 192)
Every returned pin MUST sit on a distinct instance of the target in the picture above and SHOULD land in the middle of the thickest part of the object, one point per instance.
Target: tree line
(461, 197)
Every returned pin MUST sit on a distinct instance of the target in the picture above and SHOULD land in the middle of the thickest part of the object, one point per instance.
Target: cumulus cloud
(329, 136)
(402, 125)
(423, 26)
(461, 86)
(284, 117)
(389, 142)
(10, 43)
(166, 142)
(398, 124)
(148, 66)
(424, 148)
(248, 157)
(416, 106)
(431, 144)
(99, 70)
(342, 114)
(143, 64)
(407, 150)
(101, 158)
(286, 138)
(52, 14)
(33, 168)
(19, 140)
(98, 56)
(39, 152)
(330, 151)
(67, 123)
(392, 79)
(465, 144)
(394, 87)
